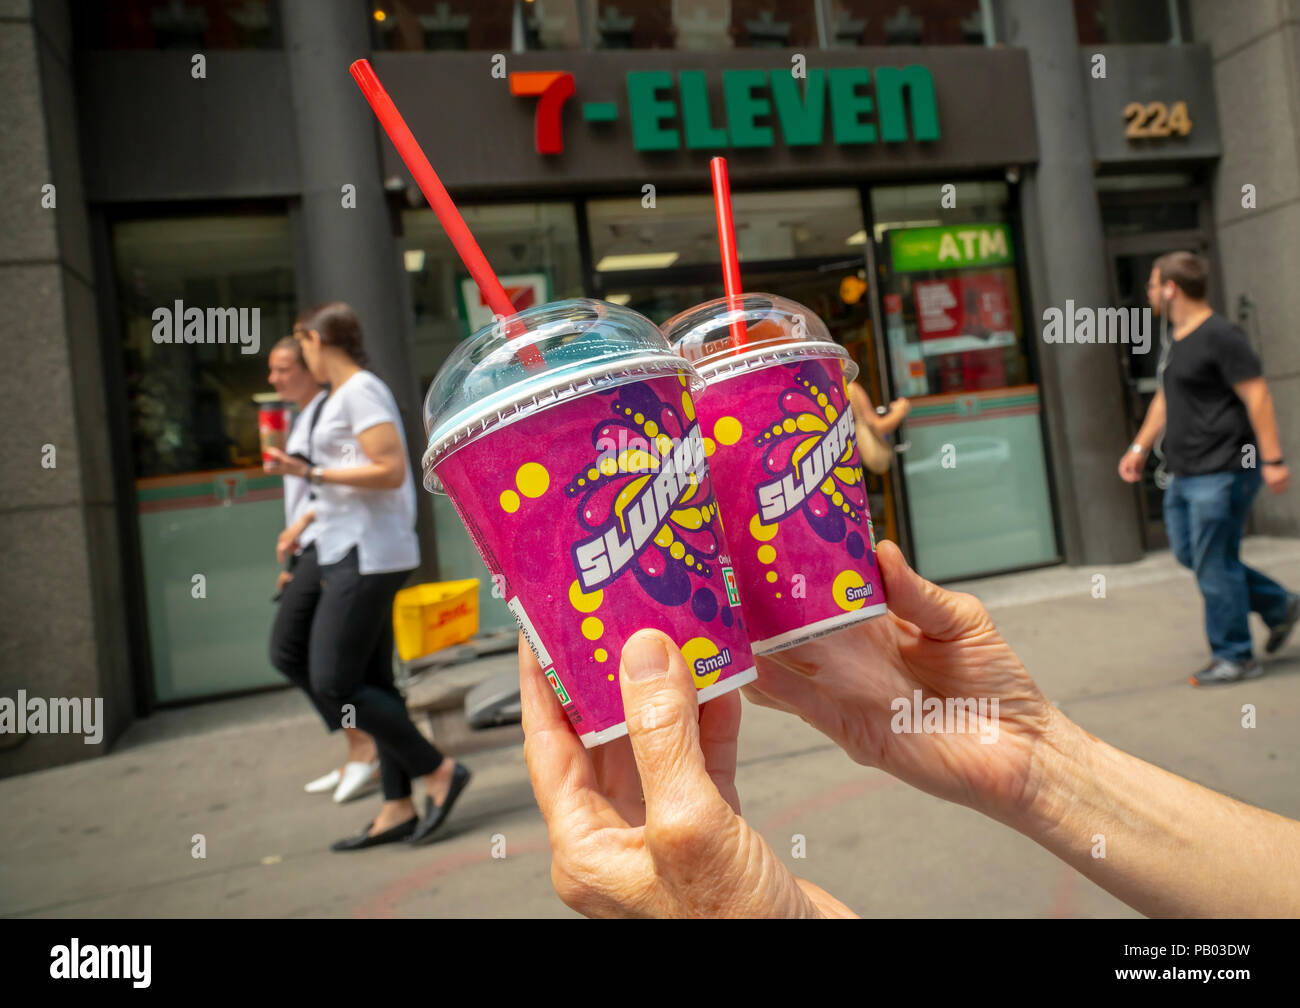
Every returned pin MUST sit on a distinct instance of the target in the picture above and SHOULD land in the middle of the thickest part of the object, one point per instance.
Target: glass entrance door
(977, 492)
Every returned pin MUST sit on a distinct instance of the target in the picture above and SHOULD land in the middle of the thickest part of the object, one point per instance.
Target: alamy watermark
(1129, 326)
(955, 715)
(178, 324)
(56, 716)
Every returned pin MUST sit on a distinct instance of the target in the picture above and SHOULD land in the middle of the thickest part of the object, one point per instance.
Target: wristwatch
(315, 474)
(1277, 461)
(1137, 449)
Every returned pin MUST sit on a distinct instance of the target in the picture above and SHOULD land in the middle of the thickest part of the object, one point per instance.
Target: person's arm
(1171, 848)
(1135, 456)
(1259, 406)
(286, 543)
(888, 423)
(385, 470)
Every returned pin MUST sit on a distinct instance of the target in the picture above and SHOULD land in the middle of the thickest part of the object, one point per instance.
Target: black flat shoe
(434, 815)
(399, 832)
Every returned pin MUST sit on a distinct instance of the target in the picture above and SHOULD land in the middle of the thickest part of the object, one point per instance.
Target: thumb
(661, 708)
(938, 613)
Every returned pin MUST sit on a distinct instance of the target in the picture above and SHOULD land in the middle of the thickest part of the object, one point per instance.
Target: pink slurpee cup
(584, 483)
(779, 434)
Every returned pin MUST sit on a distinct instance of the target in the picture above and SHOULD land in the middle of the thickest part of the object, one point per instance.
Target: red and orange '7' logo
(553, 89)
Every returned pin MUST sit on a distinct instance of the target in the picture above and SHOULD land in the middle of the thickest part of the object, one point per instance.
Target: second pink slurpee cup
(585, 486)
(779, 433)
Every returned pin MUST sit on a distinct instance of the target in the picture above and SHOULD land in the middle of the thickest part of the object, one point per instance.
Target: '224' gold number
(1156, 119)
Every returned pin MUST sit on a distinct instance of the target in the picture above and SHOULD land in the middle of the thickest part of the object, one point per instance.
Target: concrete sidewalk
(114, 836)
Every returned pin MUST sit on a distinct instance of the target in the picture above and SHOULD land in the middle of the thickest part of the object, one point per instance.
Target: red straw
(727, 245)
(436, 193)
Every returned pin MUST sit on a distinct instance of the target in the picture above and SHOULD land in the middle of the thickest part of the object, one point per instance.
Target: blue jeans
(1205, 516)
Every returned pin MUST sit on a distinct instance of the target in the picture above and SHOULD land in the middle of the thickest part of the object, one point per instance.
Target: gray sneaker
(1278, 633)
(1223, 670)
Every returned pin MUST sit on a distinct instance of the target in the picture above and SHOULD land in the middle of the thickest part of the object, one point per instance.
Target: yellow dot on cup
(766, 554)
(828, 486)
(698, 651)
(727, 430)
(665, 536)
(510, 501)
(592, 474)
(532, 479)
(788, 424)
(688, 407)
(652, 428)
(778, 594)
(812, 389)
(610, 677)
(690, 560)
(760, 531)
(838, 498)
(602, 656)
(677, 550)
(844, 581)
(639, 418)
(585, 601)
(822, 400)
(592, 628)
(709, 446)
(608, 466)
(771, 577)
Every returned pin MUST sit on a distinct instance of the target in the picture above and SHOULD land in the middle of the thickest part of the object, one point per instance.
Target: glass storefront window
(977, 489)
(195, 25)
(628, 238)
(922, 22)
(1101, 22)
(484, 25)
(631, 24)
(202, 301)
(773, 24)
(534, 249)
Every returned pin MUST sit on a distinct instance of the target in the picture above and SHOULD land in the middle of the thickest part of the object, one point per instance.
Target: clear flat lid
(727, 336)
(541, 357)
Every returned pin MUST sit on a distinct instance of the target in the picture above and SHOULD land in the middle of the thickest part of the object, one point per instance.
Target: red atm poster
(969, 311)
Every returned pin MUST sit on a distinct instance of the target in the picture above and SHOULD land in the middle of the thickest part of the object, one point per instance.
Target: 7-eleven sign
(729, 579)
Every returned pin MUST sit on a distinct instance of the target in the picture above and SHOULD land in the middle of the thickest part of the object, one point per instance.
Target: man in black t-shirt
(1221, 443)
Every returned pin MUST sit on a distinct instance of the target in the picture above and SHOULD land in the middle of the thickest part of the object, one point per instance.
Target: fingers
(939, 614)
(719, 729)
(562, 776)
(660, 705)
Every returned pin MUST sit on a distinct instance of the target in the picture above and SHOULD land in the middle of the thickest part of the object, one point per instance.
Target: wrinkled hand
(943, 644)
(685, 852)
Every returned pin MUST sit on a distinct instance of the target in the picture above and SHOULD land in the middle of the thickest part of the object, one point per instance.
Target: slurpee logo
(789, 490)
(602, 558)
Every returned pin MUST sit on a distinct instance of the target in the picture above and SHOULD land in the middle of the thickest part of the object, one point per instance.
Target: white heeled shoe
(327, 783)
(358, 779)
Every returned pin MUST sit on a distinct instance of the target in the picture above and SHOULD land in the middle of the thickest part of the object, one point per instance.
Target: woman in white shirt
(366, 546)
(298, 587)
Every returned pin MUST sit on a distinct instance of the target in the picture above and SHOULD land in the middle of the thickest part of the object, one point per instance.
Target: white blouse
(380, 523)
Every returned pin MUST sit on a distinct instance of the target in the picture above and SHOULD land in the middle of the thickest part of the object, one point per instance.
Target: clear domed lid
(729, 336)
(536, 359)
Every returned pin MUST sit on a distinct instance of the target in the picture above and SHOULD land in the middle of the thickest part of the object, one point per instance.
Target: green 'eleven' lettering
(757, 103)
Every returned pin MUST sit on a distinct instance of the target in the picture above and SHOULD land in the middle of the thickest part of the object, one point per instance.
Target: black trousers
(291, 632)
(350, 651)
